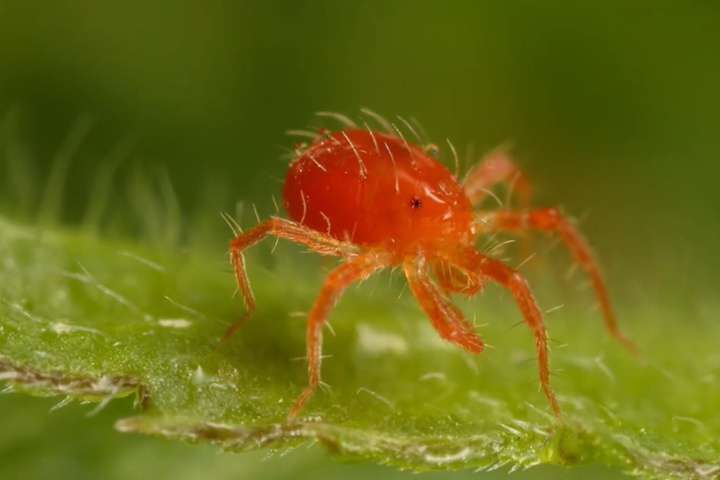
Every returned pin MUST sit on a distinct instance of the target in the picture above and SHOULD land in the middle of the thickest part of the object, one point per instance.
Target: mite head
(426, 204)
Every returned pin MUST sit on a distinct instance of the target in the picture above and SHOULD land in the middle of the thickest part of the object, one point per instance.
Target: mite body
(377, 201)
(395, 196)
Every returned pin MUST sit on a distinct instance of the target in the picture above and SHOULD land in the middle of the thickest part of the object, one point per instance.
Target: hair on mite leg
(257, 215)
(327, 221)
(403, 289)
(232, 223)
(325, 387)
(363, 169)
(557, 344)
(489, 241)
(386, 126)
(346, 121)
(497, 248)
(275, 245)
(275, 204)
(330, 328)
(553, 309)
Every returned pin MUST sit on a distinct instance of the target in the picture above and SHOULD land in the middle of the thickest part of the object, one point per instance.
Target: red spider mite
(378, 201)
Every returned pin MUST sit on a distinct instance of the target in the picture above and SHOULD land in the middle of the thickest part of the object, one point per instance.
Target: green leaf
(94, 319)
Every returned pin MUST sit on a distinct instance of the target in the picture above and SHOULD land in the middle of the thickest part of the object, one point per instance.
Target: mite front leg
(470, 260)
(496, 167)
(337, 280)
(445, 317)
(281, 228)
(552, 220)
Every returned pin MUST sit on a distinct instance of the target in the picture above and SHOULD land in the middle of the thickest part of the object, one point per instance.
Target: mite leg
(472, 261)
(445, 317)
(552, 220)
(496, 167)
(282, 228)
(453, 280)
(354, 269)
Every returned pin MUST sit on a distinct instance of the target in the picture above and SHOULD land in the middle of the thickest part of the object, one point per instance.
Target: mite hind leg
(496, 167)
(550, 219)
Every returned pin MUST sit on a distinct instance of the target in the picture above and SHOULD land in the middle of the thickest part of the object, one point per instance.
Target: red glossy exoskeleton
(377, 201)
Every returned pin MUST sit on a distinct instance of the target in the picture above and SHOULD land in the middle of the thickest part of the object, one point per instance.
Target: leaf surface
(95, 319)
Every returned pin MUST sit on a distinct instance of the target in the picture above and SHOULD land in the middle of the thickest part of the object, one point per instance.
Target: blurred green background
(613, 108)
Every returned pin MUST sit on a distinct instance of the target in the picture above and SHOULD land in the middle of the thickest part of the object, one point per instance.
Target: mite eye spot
(415, 202)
